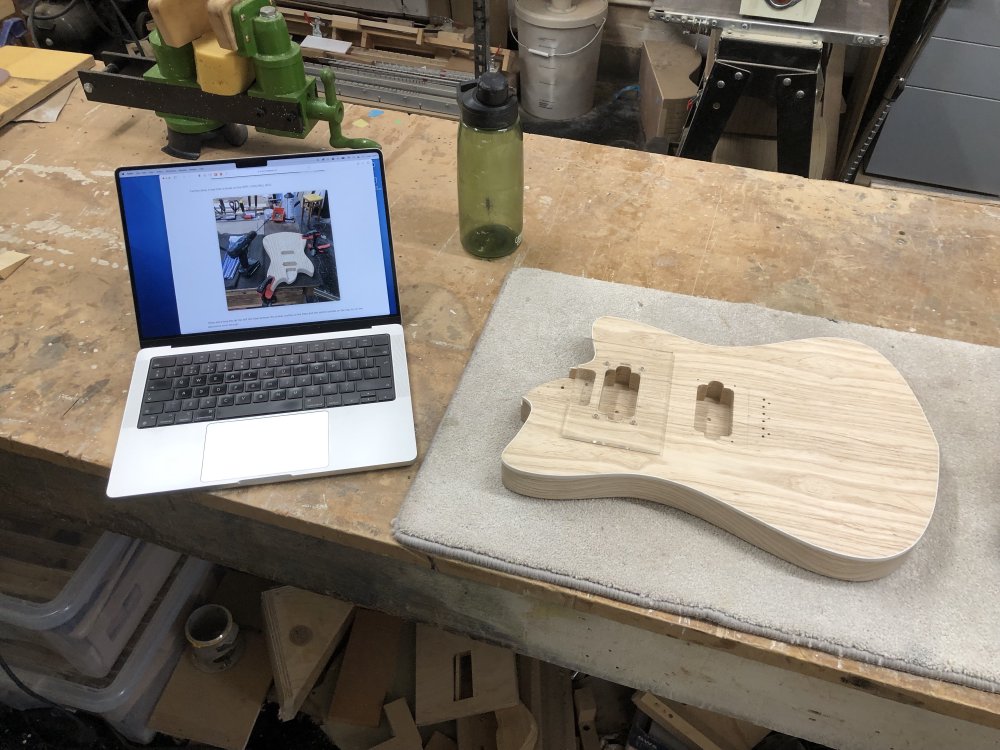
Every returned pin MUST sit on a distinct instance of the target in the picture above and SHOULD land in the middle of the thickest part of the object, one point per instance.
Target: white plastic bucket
(559, 43)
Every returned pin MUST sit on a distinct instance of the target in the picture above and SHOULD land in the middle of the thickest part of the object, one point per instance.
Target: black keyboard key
(370, 373)
(269, 385)
(251, 352)
(165, 419)
(171, 406)
(321, 379)
(288, 382)
(163, 362)
(200, 392)
(251, 386)
(329, 389)
(226, 366)
(267, 351)
(334, 400)
(150, 409)
(183, 417)
(204, 415)
(200, 359)
(234, 388)
(349, 364)
(294, 393)
(370, 399)
(348, 343)
(157, 396)
(184, 382)
(217, 357)
(227, 400)
(307, 359)
(156, 374)
(160, 384)
(282, 350)
(278, 395)
(243, 398)
(303, 380)
(147, 421)
(387, 395)
(317, 368)
(232, 377)
(182, 393)
(189, 370)
(300, 348)
(367, 395)
(351, 398)
(332, 345)
(185, 359)
(189, 404)
(300, 370)
(234, 355)
(354, 375)
(261, 396)
(199, 380)
(313, 402)
(208, 402)
(365, 341)
(347, 388)
(254, 410)
(310, 391)
(381, 339)
(250, 375)
(357, 353)
(217, 390)
(377, 351)
(316, 346)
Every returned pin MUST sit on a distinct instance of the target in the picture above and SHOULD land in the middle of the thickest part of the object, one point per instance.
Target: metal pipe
(644, 4)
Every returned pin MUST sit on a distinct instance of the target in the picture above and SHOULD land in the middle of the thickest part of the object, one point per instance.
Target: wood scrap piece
(220, 19)
(303, 629)
(586, 719)
(458, 677)
(10, 261)
(439, 741)
(516, 728)
(405, 735)
(220, 708)
(34, 75)
(547, 691)
(180, 22)
(477, 732)
(704, 729)
(368, 668)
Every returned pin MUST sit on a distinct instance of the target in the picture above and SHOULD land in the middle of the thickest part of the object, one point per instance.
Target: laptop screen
(258, 243)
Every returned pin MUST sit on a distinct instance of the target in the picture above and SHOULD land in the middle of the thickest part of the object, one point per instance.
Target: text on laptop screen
(300, 240)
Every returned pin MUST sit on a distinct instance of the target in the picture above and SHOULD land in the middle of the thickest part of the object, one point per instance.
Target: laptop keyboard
(254, 381)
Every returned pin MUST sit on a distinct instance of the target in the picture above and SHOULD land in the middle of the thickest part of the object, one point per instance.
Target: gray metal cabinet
(945, 128)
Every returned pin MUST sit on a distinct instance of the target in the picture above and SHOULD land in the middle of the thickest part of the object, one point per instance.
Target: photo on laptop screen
(276, 249)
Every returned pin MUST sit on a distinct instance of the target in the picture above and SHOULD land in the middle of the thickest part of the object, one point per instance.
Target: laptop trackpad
(267, 446)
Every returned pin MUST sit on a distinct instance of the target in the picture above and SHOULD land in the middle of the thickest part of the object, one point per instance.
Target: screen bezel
(270, 331)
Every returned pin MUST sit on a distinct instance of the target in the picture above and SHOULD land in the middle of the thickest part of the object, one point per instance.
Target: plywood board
(547, 691)
(516, 728)
(477, 732)
(216, 708)
(458, 677)
(303, 630)
(34, 75)
(586, 719)
(368, 668)
(405, 735)
(703, 729)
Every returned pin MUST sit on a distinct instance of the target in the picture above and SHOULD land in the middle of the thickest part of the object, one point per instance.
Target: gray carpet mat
(937, 615)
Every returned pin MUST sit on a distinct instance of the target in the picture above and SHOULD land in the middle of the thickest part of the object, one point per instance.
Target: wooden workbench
(67, 340)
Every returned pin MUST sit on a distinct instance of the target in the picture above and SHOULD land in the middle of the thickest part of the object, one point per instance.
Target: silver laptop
(268, 314)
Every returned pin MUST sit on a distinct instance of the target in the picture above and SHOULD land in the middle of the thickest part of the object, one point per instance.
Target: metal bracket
(711, 110)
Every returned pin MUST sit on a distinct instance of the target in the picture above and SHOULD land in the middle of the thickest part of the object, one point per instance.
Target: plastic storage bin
(126, 697)
(74, 592)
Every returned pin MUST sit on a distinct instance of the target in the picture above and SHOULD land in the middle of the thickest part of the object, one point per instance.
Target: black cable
(24, 688)
(31, 22)
(124, 21)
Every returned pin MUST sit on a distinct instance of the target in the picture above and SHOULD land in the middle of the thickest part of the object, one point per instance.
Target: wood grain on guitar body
(287, 256)
(815, 450)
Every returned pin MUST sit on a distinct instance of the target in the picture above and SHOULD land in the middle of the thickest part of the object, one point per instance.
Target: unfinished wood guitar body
(815, 450)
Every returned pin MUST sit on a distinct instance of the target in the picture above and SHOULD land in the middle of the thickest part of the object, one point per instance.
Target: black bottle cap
(488, 102)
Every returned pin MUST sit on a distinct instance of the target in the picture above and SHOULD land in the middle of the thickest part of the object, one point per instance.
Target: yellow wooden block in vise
(221, 71)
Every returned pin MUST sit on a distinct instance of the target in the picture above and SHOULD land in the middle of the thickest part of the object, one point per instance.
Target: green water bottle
(490, 168)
